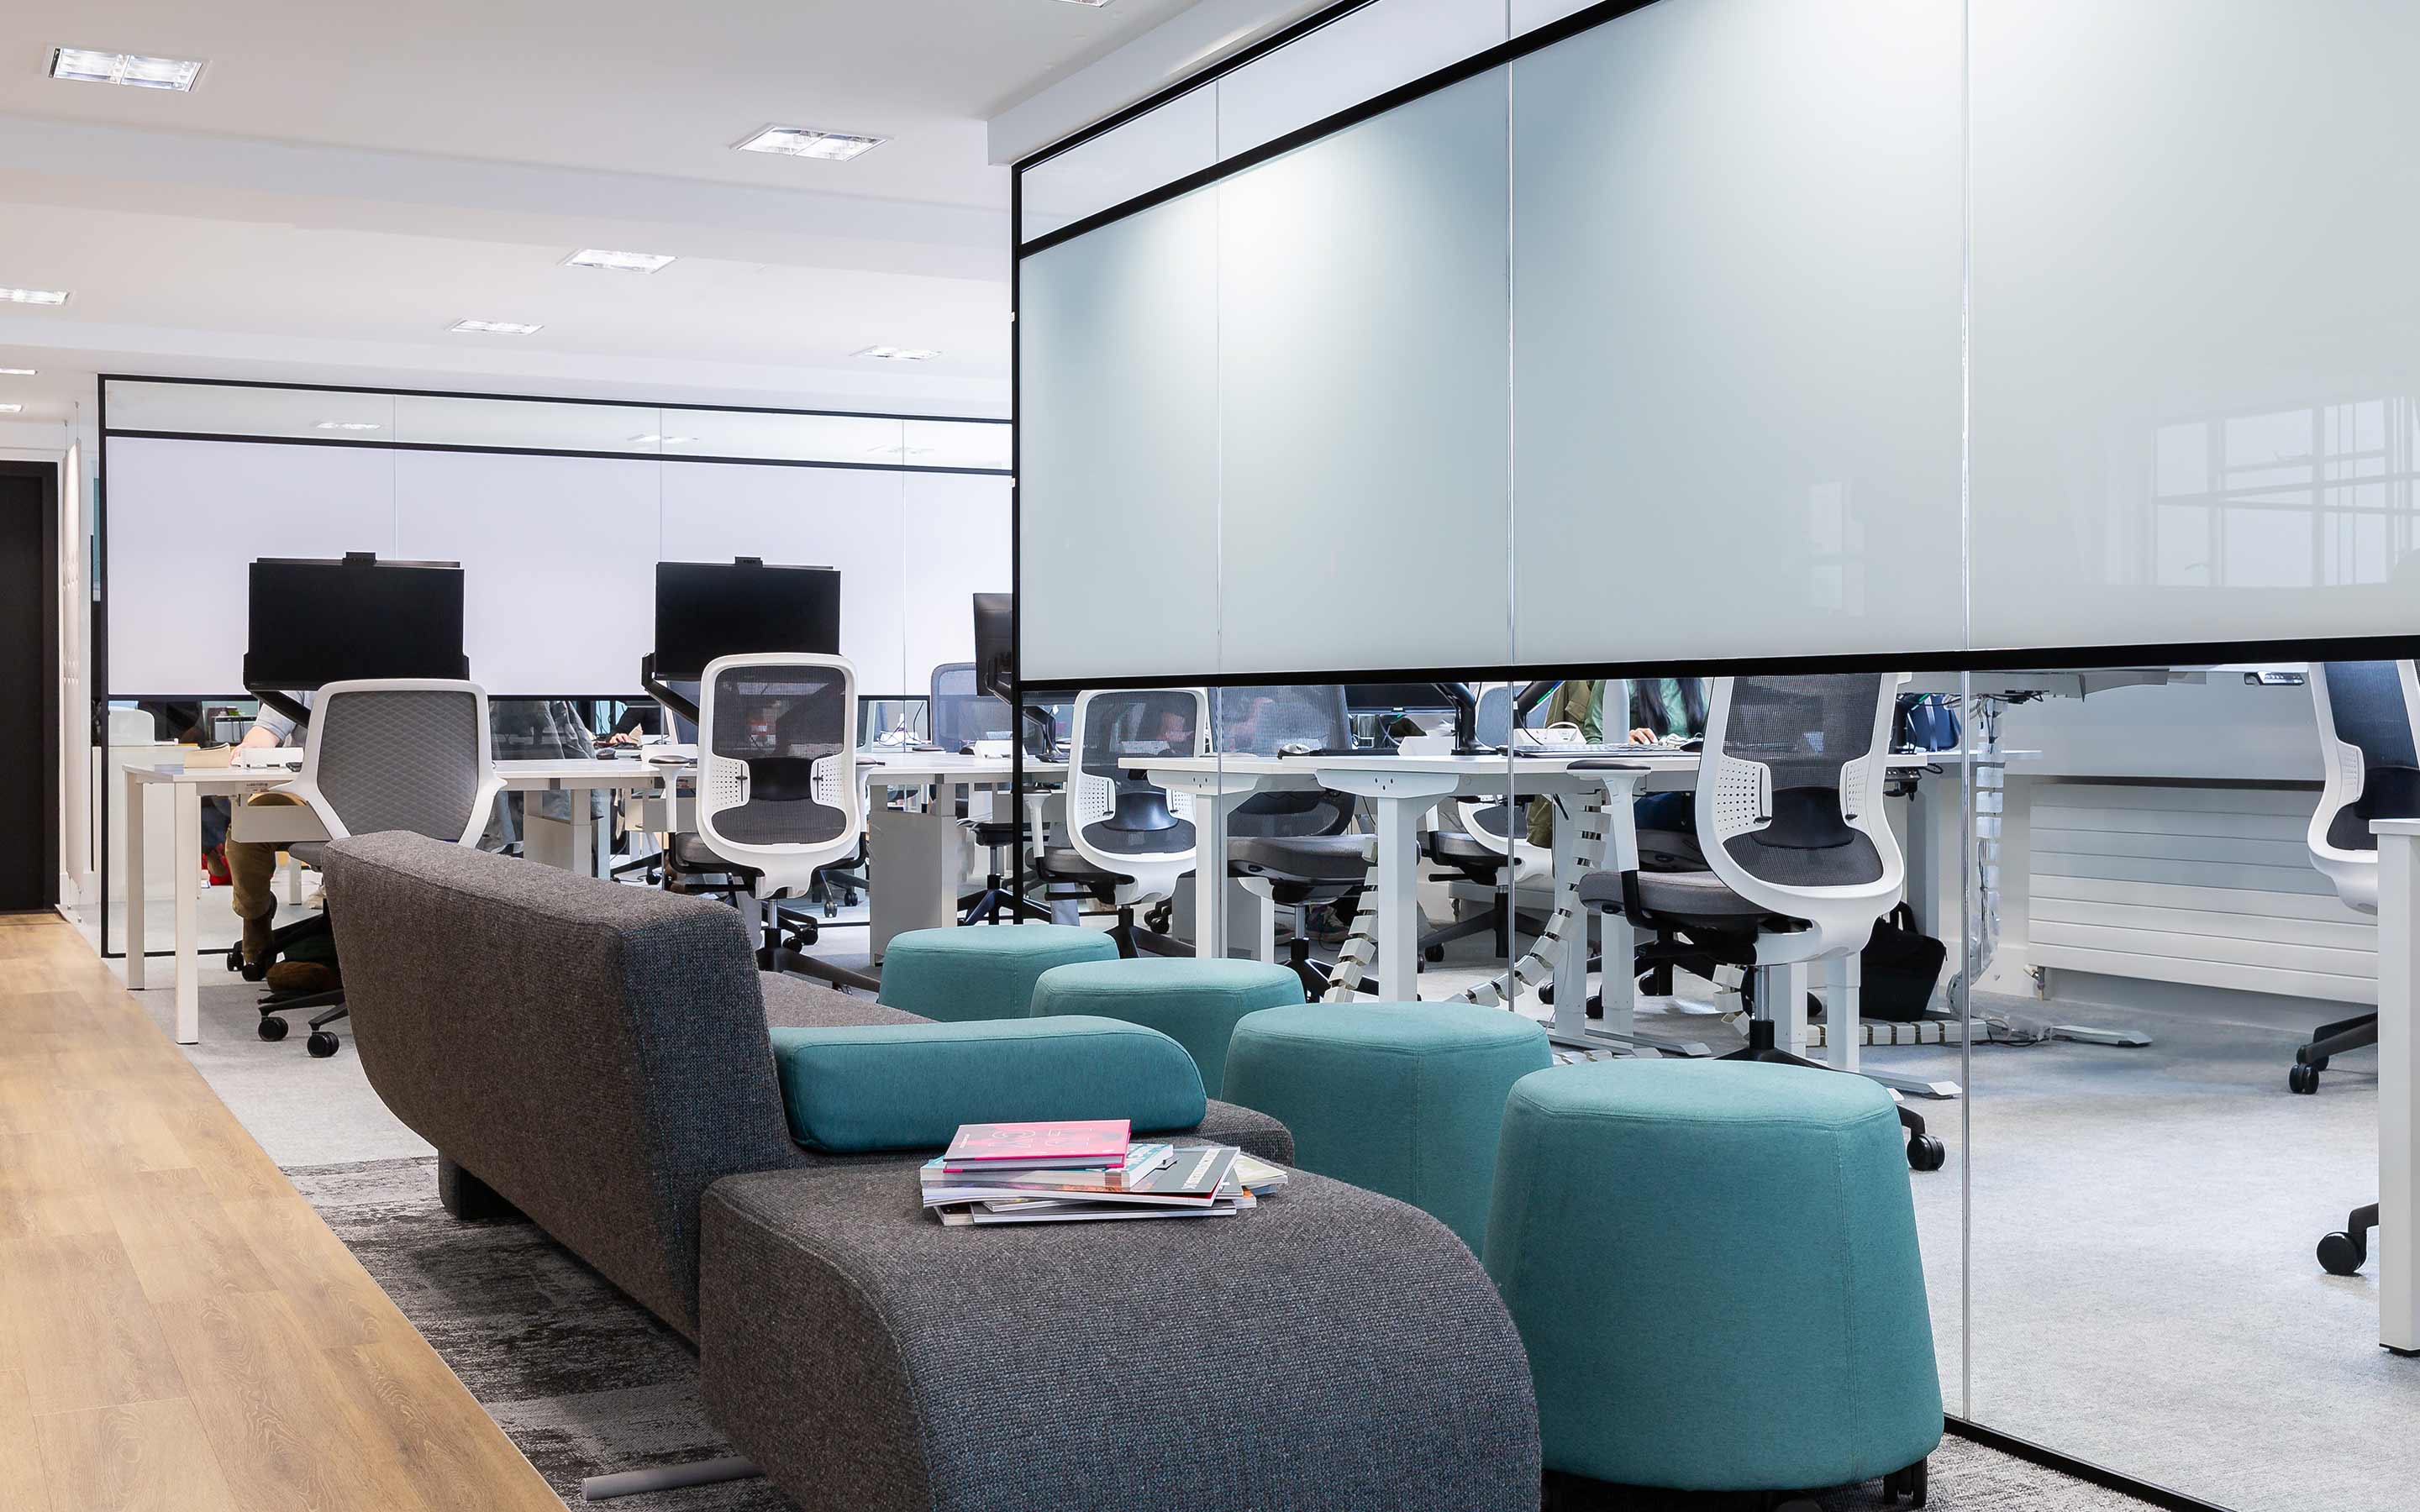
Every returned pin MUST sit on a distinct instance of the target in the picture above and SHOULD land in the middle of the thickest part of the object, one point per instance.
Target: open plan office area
(1690, 723)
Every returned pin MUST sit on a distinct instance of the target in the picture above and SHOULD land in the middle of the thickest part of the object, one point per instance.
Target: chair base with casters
(2355, 1033)
(996, 897)
(2344, 1252)
(785, 928)
(272, 1027)
(1065, 865)
(1300, 872)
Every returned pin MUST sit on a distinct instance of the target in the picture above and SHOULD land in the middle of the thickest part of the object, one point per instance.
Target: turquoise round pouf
(1194, 1002)
(981, 971)
(1401, 1098)
(1714, 1266)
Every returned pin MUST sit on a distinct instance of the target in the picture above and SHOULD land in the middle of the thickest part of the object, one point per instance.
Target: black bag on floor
(1901, 969)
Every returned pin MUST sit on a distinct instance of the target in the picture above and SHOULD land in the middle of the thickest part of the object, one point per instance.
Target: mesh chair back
(410, 755)
(960, 713)
(1796, 778)
(776, 744)
(1114, 812)
(1492, 724)
(2360, 705)
(1269, 721)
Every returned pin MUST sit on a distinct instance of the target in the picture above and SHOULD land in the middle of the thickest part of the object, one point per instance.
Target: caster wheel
(235, 958)
(273, 1029)
(1432, 953)
(2342, 1254)
(321, 1044)
(2302, 1079)
(1919, 1479)
(1926, 1154)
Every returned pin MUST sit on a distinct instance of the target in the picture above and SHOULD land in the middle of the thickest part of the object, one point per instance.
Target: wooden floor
(177, 1328)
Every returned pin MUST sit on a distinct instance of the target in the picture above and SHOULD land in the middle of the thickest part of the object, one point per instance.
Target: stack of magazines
(1038, 1173)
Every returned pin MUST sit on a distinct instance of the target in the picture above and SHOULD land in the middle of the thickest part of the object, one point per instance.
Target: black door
(29, 674)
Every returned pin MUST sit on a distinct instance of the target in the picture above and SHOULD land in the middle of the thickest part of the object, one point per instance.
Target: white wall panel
(1737, 238)
(2195, 320)
(1363, 306)
(186, 519)
(957, 546)
(807, 517)
(1119, 461)
(1357, 57)
(558, 561)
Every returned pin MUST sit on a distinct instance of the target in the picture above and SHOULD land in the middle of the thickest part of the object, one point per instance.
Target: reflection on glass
(2310, 496)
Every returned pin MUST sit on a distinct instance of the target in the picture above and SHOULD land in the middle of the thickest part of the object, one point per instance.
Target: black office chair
(384, 755)
(1293, 846)
(960, 713)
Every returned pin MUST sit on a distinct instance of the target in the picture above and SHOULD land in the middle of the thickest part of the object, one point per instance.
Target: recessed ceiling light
(805, 141)
(898, 354)
(495, 327)
(11, 409)
(83, 65)
(16, 372)
(34, 296)
(349, 424)
(664, 440)
(620, 262)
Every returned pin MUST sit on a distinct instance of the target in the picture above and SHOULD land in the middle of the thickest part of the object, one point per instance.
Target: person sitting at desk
(1667, 708)
(251, 865)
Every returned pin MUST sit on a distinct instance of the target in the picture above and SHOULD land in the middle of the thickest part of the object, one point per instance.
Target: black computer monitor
(315, 622)
(995, 643)
(706, 609)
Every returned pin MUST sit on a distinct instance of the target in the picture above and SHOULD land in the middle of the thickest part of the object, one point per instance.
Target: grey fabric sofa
(595, 1058)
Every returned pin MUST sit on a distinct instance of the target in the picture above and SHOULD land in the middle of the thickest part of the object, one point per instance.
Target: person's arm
(269, 728)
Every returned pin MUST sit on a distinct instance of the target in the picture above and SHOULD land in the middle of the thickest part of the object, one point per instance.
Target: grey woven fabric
(1334, 1349)
(796, 1003)
(400, 760)
(594, 1053)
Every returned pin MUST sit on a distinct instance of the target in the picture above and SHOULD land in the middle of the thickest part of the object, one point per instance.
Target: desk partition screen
(557, 510)
(1757, 331)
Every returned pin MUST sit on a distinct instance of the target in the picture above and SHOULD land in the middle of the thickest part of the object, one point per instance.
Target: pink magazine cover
(1083, 1142)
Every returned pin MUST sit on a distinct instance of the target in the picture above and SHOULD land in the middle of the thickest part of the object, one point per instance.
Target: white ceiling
(345, 182)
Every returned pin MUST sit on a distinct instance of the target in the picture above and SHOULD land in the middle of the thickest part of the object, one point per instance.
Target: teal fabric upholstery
(1401, 1098)
(1193, 1001)
(984, 971)
(910, 1085)
(1714, 1265)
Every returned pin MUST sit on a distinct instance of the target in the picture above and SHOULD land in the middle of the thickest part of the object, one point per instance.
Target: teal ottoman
(981, 971)
(1193, 1001)
(1714, 1266)
(1401, 1098)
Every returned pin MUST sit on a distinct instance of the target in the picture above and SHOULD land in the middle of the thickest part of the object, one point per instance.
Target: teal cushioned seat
(1401, 1098)
(1193, 1001)
(1714, 1265)
(910, 1085)
(984, 971)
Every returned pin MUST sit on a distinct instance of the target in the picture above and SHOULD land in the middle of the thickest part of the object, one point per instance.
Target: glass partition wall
(1918, 354)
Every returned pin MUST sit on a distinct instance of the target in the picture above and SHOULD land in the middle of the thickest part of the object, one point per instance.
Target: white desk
(186, 790)
(2398, 1069)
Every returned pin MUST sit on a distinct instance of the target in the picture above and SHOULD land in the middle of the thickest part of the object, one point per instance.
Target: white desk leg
(1618, 987)
(1399, 905)
(1210, 876)
(135, 922)
(1570, 963)
(1843, 1026)
(293, 880)
(1789, 1008)
(189, 882)
(1264, 929)
(2398, 1066)
(582, 861)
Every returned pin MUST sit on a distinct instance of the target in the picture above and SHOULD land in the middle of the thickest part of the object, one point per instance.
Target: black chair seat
(1066, 861)
(1684, 897)
(1305, 857)
(1460, 848)
(691, 851)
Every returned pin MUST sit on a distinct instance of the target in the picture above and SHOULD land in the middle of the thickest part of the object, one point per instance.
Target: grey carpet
(585, 1381)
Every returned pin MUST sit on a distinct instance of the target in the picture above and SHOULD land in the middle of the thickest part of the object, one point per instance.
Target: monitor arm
(686, 708)
(1466, 716)
(1530, 696)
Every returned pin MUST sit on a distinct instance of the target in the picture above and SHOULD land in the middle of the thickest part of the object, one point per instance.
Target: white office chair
(2370, 771)
(1129, 841)
(1801, 861)
(380, 755)
(777, 789)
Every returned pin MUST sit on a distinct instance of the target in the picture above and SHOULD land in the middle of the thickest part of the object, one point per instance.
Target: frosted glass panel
(1178, 138)
(186, 519)
(558, 572)
(1358, 58)
(809, 517)
(1737, 272)
(2194, 393)
(1361, 395)
(1120, 446)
